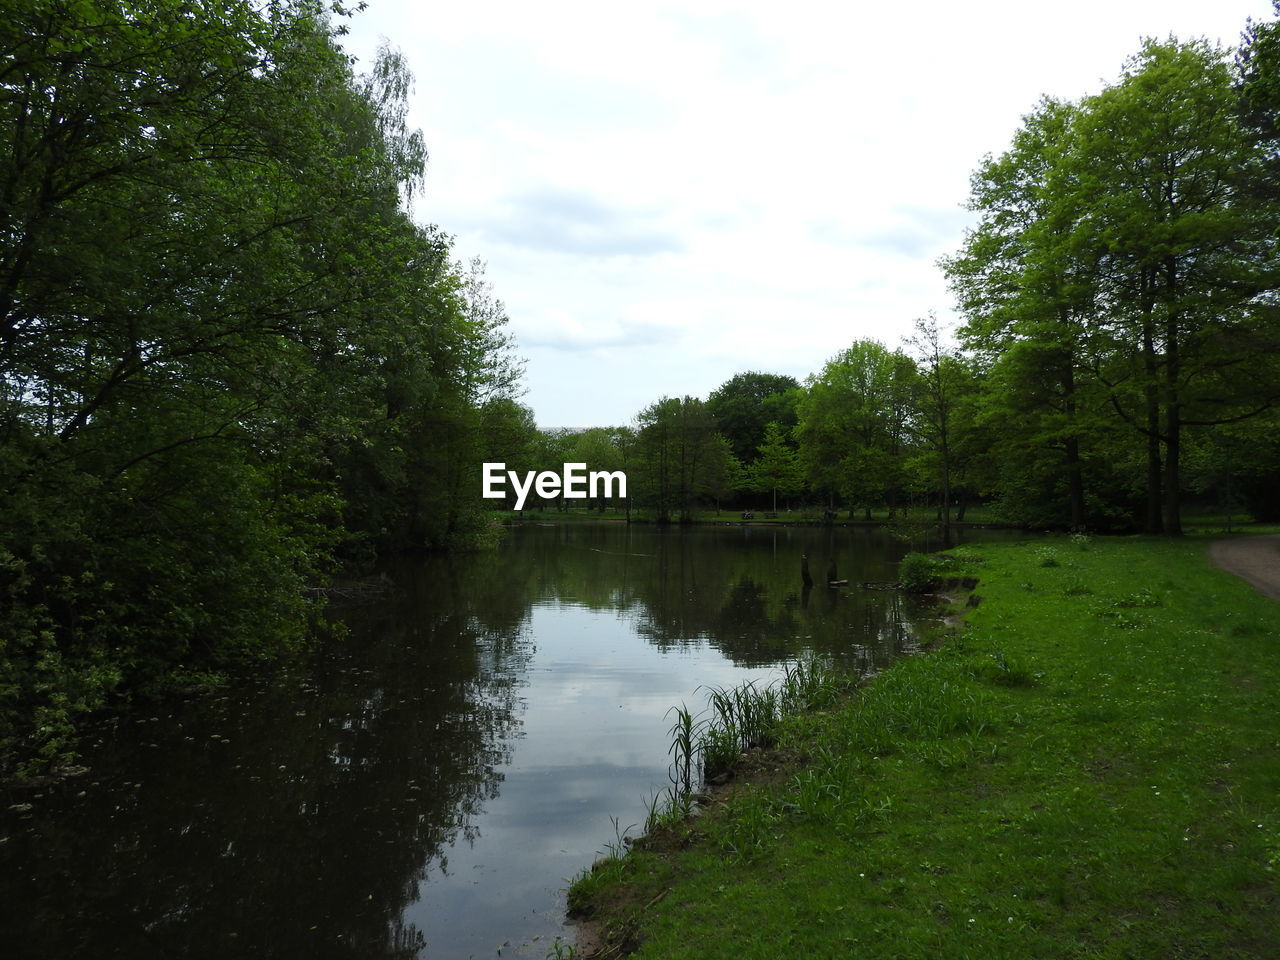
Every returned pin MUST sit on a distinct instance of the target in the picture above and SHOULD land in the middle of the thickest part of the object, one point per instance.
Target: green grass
(1090, 769)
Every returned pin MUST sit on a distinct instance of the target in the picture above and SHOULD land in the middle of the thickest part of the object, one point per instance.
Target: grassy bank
(1091, 768)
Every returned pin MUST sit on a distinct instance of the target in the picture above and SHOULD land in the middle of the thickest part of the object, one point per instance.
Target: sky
(666, 194)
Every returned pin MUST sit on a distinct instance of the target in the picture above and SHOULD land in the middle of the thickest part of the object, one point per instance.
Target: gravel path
(1257, 559)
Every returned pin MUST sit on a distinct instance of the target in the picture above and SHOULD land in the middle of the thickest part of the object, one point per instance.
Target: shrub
(917, 573)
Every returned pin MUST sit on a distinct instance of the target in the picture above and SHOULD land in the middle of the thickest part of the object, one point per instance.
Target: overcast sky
(667, 194)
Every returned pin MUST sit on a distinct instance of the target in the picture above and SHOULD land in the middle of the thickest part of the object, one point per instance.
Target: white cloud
(667, 194)
(571, 221)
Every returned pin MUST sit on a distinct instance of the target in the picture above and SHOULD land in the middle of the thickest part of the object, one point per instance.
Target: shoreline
(1075, 687)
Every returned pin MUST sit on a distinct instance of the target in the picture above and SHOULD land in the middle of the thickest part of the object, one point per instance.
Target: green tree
(777, 465)
(1184, 252)
(224, 346)
(853, 420)
(744, 405)
(1029, 291)
(599, 449)
(942, 380)
(681, 459)
(1122, 263)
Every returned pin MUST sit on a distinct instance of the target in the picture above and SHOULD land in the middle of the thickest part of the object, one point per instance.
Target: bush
(917, 573)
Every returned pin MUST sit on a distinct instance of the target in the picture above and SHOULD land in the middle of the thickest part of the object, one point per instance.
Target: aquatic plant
(708, 744)
(559, 950)
(808, 684)
(683, 750)
(719, 750)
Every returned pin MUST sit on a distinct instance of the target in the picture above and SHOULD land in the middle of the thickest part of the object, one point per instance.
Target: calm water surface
(423, 787)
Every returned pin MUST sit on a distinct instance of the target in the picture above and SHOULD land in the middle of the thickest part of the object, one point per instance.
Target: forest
(231, 359)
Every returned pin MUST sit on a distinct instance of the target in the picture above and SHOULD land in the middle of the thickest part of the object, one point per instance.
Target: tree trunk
(1154, 523)
(1172, 424)
(1075, 478)
(946, 498)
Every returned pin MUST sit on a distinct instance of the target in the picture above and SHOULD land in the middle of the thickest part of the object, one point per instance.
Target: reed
(684, 748)
(708, 744)
(744, 717)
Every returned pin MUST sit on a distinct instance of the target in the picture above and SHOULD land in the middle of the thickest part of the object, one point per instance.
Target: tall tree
(1028, 289)
(682, 460)
(744, 405)
(853, 421)
(777, 466)
(943, 379)
(224, 346)
(1185, 254)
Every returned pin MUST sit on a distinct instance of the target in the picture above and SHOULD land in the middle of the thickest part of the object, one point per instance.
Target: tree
(600, 448)
(1122, 262)
(1257, 78)
(942, 379)
(681, 459)
(226, 351)
(744, 405)
(777, 466)
(1186, 255)
(852, 424)
(1028, 289)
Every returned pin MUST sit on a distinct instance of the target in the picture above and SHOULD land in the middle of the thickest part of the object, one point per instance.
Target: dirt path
(1257, 559)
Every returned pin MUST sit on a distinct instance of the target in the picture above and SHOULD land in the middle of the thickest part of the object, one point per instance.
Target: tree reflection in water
(310, 815)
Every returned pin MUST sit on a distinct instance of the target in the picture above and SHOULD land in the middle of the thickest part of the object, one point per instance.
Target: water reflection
(422, 787)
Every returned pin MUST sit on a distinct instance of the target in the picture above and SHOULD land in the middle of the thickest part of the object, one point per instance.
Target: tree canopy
(226, 351)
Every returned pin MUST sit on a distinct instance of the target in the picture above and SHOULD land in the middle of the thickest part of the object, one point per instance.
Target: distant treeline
(227, 353)
(1120, 348)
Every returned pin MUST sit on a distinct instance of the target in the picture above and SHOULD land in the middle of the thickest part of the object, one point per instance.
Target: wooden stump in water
(805, 577)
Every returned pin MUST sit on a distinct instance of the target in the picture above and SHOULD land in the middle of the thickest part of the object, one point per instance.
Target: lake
(425, 785)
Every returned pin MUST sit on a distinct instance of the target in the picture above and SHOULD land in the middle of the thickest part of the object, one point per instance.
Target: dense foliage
(1120, 284)
(226, 351)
